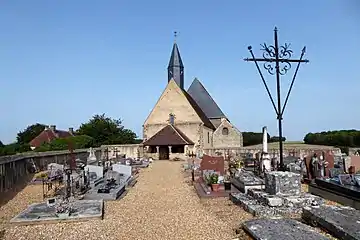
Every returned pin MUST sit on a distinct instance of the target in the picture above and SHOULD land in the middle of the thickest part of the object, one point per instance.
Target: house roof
(202, 97)
(167, 136)
(48, 135)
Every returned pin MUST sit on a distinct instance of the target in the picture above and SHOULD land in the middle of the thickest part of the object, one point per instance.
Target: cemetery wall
(130, 150)
(14, 169)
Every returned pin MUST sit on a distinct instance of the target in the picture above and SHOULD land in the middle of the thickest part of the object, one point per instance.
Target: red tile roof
(47, 136)
(168, 136)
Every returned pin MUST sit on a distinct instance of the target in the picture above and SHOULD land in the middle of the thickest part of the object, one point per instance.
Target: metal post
(281, 57)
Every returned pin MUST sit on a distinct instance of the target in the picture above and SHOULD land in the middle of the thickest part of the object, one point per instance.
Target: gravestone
(345, 179)
(123, 169)
(357, 179)
(284, 229)
(334, 172)
(212, 163)
(109, 187)
(341, 222)
(92, 157)
(282, 183)
(98, 170)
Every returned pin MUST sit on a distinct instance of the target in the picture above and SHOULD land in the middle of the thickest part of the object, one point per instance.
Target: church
(187, 122)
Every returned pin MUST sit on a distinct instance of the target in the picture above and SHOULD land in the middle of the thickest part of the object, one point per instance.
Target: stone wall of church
(192, 130)
(227, 136)
(150, 130)
(207, 134)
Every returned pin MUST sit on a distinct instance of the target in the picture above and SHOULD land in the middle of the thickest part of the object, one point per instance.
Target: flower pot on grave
(227, 185)
(215, 187)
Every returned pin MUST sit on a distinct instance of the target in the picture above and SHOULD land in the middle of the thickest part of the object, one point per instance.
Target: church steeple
(176, 67)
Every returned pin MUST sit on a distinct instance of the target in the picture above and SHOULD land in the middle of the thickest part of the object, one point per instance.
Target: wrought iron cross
(277, 61)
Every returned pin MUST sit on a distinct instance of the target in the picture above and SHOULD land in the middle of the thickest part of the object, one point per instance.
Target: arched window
(225, 131)
(171, 118)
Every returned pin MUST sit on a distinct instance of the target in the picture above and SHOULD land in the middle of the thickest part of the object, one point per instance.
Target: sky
(61, 62)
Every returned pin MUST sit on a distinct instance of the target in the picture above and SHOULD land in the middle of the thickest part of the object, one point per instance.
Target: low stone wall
(14, 168)
(130, 150)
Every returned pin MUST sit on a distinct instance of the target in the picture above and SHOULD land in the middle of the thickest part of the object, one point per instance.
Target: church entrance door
(164, 153)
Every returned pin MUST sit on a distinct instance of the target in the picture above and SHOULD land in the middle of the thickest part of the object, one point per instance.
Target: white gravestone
(91, 157)
(121, 168)
(96, 169)
(265, 157)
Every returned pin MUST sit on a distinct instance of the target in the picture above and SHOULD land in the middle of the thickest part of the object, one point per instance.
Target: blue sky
(64, 61)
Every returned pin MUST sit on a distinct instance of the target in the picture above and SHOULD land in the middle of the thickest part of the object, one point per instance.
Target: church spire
(176, 67)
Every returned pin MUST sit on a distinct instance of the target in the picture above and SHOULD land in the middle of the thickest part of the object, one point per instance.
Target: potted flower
(214, 178)
(227, 183)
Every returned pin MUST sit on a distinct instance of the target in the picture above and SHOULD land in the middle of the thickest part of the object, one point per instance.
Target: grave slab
(283, 206)
(341, 222)
(41, 213)
(284, 229)
(246, 180)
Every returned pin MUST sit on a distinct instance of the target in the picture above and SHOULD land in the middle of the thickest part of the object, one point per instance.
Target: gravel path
(160, 206)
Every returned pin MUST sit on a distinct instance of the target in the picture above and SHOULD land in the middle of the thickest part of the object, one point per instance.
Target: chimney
(53, 127)
(265, 143)
(71, 131)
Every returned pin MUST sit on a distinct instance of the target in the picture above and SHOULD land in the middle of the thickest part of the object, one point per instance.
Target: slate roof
(175, 59)
(199, 111)
(167, 136)
(203, 99)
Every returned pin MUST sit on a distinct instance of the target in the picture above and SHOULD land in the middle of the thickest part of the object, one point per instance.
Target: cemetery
(276, 198)
(76, 191)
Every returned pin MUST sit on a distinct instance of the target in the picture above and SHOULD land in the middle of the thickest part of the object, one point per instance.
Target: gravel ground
(160, 206)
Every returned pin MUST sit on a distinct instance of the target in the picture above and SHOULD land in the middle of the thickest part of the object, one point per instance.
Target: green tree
(1, 144)
(339, 138)
(105, 130)
(13, 148)
(76, 142)
(276, 139)
(28, 134)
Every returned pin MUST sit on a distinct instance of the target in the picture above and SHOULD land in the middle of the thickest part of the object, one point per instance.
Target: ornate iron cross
(277, 61)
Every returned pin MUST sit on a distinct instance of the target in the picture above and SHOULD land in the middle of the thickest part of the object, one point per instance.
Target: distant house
(50, 133)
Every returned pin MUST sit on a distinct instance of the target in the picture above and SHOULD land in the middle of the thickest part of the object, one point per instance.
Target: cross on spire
(175, 35)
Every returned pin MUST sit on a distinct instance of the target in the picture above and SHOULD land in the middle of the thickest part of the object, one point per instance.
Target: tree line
(99, 130)
(253, 138)
(339, 138)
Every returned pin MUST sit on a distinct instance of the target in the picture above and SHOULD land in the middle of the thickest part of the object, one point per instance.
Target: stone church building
(185, 122)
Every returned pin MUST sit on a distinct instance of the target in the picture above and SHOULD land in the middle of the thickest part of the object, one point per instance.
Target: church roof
(199, 111)
(203, 99)
(167, 136)
(175, 59)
